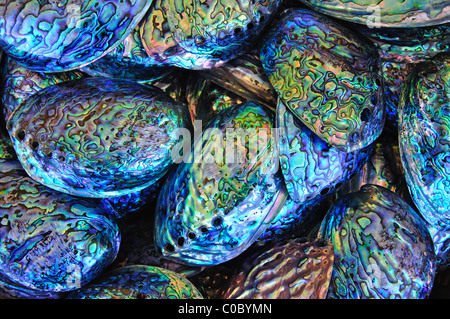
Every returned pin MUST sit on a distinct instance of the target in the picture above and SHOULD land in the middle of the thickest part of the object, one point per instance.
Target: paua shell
(296, 269)
(51, 241)
(296, 219)
(128, 60)
(386, 13)
(20, 83)
(139, 282)
(245, 77)
(423, 135)
(409, 45)
(203, 34)
(328, 76)
(382, 247)
(53, 36)
(441, 240)
(97, 137)
(225, 192)
(311, 167)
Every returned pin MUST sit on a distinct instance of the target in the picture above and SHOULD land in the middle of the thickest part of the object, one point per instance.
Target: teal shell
(382, 247)
(203, 34)
(97, 137)
(329, 76)
(212, 209)
(54, 36)
(312, 168)
(20, 83)
(139, 282)
(295, 269)
(423, 137)
(50, 241)
(386, 13)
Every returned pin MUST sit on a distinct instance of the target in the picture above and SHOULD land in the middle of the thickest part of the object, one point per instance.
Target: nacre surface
(139, 282)
(296, 269)
(51, 241)
(225, 192)
(53, 36)
(423, 135)
(203, 34)
(311, 167)
(97, 137)
(382, 247)
(328, 75)
(386, 13)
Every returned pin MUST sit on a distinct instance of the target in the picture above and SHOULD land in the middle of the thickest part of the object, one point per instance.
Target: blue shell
(212, 207)
(329, 76)
(382, 247)
(311, 167)
(424, 117)
(20, 83)
(49, 241)
(386, 13)
(128, 60)
(53, 36)
(203, 34)
(97, 137)
(139, 282)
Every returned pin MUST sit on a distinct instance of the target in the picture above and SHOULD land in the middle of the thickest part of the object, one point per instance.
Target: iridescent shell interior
(224, 149)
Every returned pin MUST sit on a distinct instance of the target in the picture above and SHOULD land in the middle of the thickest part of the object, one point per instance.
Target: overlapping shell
(203, 34)
(296, 269)
(105, 137)
(386, 13)
(139, 282)
(225, 192)
(423, 135)
(382, 247)
(328, 76)
(49, 241)
(312, 168)
(53, 36)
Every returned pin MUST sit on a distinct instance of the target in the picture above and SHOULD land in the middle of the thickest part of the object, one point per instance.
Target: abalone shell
(97, 137)
(312, 168)
(328, 75)
(139, 282)
(386, 13)
(382, 247)
(50, 241)
(296, 269)
(225, 192)
(53, 36)
(128, 60)
(20, 83)
(203, 34)
(424, 110)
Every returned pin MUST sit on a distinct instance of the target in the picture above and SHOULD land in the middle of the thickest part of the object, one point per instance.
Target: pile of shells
(230, 149)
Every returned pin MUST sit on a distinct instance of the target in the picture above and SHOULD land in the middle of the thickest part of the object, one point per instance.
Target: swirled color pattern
(139, 282)
(382, 247)
(328, 76)
(51, 241)
(203, 34)
(53, 36)
(97, 137)
(225, 193)
(424, 122)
